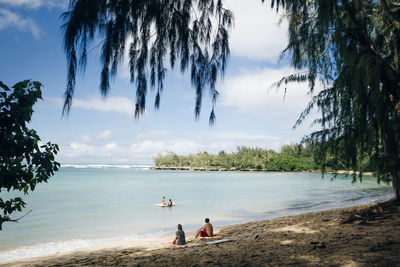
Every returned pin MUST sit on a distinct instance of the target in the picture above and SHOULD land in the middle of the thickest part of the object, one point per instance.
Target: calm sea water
(84, 206)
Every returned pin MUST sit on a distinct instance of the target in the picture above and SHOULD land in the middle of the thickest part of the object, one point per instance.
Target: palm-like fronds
(191, 32)
(352, 47)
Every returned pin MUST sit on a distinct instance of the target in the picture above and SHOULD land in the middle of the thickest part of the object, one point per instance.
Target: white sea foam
(61, 247)
(102, 166)
(46, 249)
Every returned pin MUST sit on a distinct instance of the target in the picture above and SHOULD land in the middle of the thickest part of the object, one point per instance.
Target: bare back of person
(209, 229)
(205, 231)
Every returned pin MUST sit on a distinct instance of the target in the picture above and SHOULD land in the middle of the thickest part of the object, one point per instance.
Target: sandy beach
(366, 235)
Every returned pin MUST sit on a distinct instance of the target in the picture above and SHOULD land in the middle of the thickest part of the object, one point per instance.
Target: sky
(249, 111)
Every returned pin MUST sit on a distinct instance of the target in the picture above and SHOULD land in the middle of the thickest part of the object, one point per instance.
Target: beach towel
(196, 244)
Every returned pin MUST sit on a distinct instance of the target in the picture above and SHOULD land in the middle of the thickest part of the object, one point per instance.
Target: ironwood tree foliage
(193, 33)
(352, 47)
(23, 162)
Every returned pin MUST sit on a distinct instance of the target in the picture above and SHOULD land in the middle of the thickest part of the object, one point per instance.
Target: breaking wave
(107, 166)
(72, 245)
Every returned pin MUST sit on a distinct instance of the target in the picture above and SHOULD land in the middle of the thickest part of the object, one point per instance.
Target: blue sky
(248, 111)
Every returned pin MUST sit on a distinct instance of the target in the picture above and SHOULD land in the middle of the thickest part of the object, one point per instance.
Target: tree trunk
(396, 184)
(395, 174)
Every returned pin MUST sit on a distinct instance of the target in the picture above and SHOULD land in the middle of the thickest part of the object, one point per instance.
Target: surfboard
(163, 206)
(196, 244)
(210, 238)
(219, 241)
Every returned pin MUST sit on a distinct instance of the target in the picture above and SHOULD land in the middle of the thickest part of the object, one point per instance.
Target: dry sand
(367, 235)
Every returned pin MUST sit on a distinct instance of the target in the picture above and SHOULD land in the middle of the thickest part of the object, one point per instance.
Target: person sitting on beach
(169, 203)
(163, 201)
(180, 237)
(206, 230)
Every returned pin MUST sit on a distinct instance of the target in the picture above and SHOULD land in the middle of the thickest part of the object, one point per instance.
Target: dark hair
(179, 226)
(207, 220)
(170, 200)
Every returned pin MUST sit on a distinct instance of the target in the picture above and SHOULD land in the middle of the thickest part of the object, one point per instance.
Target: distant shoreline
(189, 168)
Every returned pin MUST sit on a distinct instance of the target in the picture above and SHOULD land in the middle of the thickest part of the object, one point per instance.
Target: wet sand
(367, 235)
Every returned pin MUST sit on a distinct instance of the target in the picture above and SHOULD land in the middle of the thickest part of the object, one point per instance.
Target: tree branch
(388, 14)
(16, 220)
(364, 42)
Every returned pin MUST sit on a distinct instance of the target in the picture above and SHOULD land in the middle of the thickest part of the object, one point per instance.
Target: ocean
(84, 206)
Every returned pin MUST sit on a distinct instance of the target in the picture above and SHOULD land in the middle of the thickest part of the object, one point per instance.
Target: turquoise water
(83, 206)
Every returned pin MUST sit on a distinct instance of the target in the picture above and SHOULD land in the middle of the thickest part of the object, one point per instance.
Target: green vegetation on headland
(294, 157)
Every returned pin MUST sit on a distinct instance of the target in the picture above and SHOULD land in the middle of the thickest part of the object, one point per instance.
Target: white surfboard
(161, 205)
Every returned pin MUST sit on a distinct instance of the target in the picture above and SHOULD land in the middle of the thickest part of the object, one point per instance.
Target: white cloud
(104, 135)
(116, 104)
(9, 19)
(78, 149)
(244, 136)
(153, 134)
(153, 147)
(112, 103)
(144, 148)
(110, 146)
(141, 151)
(84, 138)
(144, 151)
(33, 4)
(90, 139)
(253, 91)
(256, 34)
(229, 141)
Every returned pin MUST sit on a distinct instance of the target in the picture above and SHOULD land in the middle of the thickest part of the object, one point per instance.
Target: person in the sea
(169, 203)
(163, 201)
(207, 230)
(179, 237)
